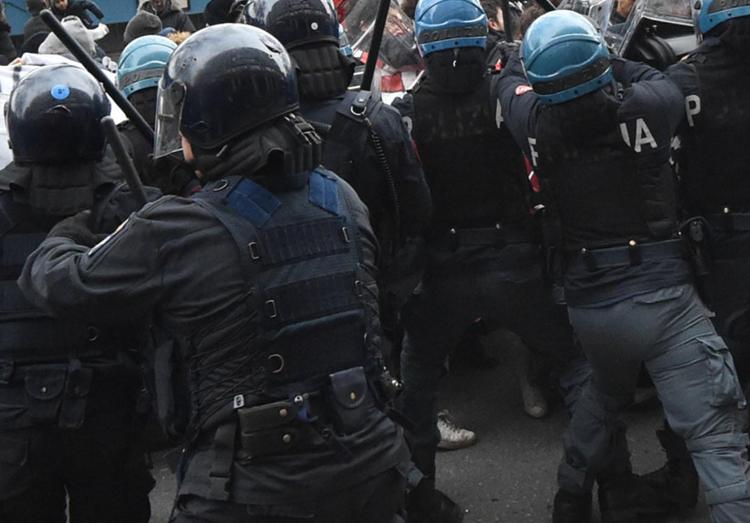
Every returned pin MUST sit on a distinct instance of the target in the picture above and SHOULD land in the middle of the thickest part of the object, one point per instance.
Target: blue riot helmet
(565, 57)
(142, 63)
(447, 24)
(53, 116)
(294, 22)
(221, 82)
(708, 14)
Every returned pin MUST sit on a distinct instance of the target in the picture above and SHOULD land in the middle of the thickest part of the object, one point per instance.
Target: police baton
(507, 20)
(123, 158)
(88, 63)
(377, 39)
(547, 5)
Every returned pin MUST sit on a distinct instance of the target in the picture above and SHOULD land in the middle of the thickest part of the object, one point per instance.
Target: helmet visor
(169, 102)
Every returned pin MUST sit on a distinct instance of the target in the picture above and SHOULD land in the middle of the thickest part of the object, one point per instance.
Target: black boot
(571, 508)
(628, 497)
(426, 504)
(677, 480)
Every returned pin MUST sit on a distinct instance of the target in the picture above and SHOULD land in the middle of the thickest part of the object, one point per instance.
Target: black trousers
(729, 299)
(505, 288)
(98, 468)
(377, 500)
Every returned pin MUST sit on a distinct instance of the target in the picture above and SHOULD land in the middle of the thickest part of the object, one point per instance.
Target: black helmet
(294, 22)
(53, 116)
(221, 82)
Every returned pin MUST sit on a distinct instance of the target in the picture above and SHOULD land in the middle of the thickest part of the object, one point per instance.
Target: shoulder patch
(93, 250)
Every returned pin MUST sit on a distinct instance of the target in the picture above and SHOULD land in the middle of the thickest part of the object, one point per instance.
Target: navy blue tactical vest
(309, 303)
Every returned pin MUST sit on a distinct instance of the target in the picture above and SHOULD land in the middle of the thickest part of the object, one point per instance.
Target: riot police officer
(483, 254)
(365, 141)
(269, 275)
(139, 69)
(68, 388)
(712, 152)
(599, 129)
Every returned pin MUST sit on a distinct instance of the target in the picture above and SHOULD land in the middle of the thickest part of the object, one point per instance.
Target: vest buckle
(253, 248)
(271, 309)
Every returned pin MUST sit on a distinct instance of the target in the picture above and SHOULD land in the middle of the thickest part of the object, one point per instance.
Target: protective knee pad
(721, 462)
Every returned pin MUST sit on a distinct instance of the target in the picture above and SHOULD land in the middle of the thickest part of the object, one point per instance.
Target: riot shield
(399, 61)
(658, 32)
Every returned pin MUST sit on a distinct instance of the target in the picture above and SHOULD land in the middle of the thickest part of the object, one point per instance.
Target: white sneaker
(452, 436)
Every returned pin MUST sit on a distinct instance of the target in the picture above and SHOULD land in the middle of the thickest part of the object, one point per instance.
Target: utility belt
(48, 341)
(497, 236)
(304, 421)
(729, 221)
(58, 394)
(708, 237)
(633, 254)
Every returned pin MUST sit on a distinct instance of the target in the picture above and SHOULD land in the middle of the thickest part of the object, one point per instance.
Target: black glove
(115, 208)
(508, 50)
(76, 228)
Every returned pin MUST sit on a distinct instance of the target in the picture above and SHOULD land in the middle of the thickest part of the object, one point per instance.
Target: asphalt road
(509, 475)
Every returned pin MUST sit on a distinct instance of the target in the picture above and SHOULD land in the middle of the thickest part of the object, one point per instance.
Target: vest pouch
(268, 429)
(44, 387)
(73, 411)
(350, 399)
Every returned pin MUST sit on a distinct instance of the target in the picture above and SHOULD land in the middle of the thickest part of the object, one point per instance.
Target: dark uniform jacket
(352, 153)
(714, 148)
(375, 154)
(81, 9)
(54, 373)
(178, 258)
(605, 156)
(475, 172)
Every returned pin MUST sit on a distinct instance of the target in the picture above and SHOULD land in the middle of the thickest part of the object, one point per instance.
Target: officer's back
(269, 274)
(365, 141)
(68, 388)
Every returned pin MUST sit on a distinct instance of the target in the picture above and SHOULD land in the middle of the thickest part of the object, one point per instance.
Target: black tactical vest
(474, 169)
(715, 151)
(308, 302)
(359, 147)
(606, 194)
(28, 334)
